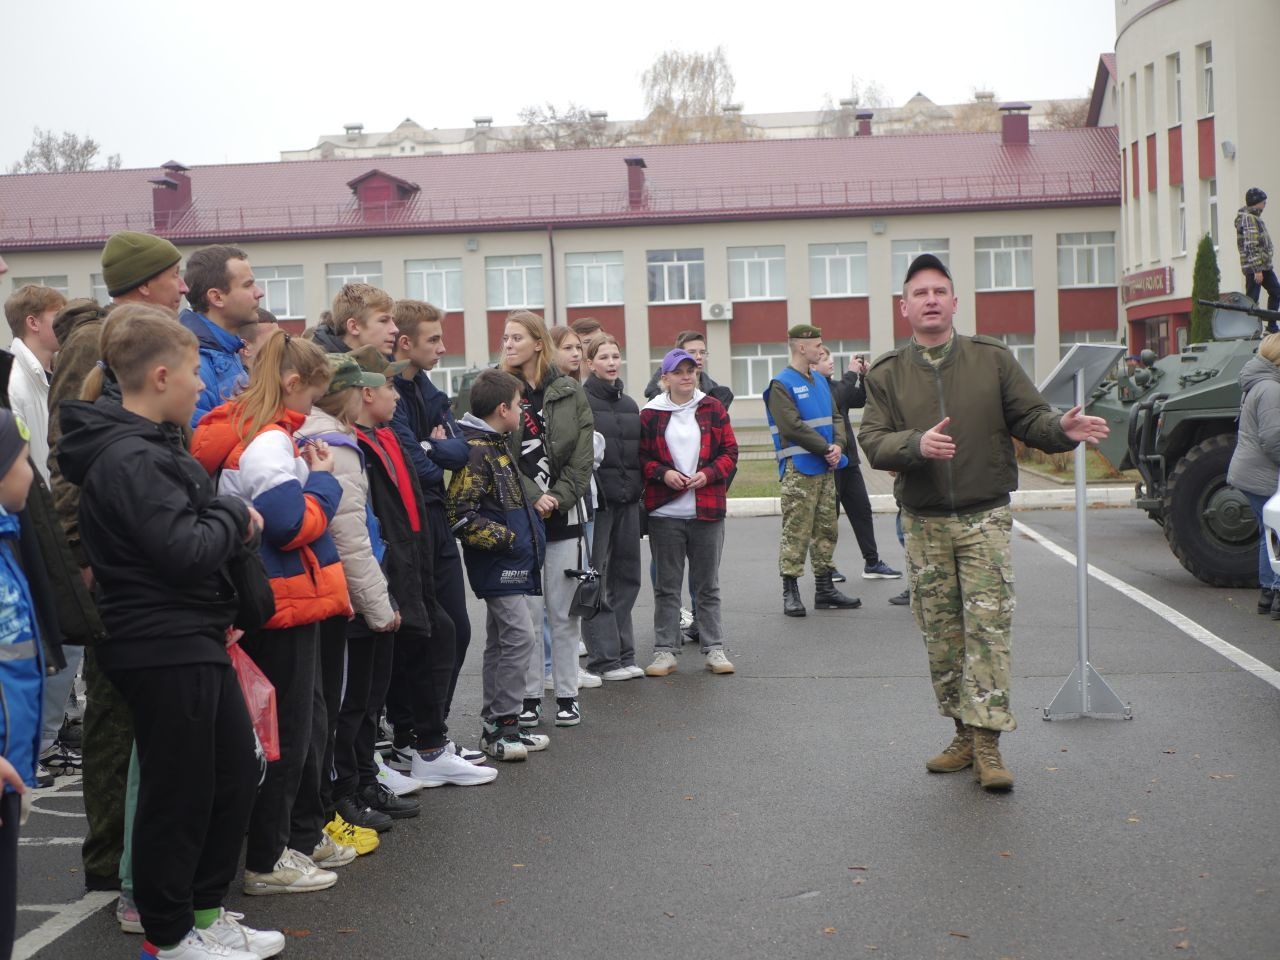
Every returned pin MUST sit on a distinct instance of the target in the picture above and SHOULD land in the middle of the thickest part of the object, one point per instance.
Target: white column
(475, 322)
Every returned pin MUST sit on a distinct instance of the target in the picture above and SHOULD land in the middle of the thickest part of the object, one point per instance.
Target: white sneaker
(664, 662)
(329, 853)
(395, 781)
(533, 742)
(587, 679)
(717, 662)
(618, 673)
(230, 932)
(200, 945)
(449, 768)
(294, 873)
(466, 753)
(635, 670)
(582, 649)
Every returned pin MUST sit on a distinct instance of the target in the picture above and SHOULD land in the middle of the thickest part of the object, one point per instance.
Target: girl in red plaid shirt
(687, 452)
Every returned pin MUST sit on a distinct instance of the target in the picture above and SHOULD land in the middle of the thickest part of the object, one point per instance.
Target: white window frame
(1153, 226)
(690, 271)
(448, 372)
(844, 262)
(1174, 65)
(902, 252)
(761, 366)
(758, 273)
(1149, 97)
(1211, 209)
(1069, 338)
(1179, 196)
(338, 275)
(1023, 348)
(1087, 251)
(277, 285)
(1204, 60)
(54, 281)
(437, 281)
(98, 289)
(514, 282)
(605, 270)
(998, 252)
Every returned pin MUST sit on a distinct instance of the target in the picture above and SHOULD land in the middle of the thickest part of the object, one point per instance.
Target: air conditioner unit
(717, 310)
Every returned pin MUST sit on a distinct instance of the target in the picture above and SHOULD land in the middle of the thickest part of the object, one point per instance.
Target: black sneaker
(382, 800)
(357, 813)
(71, 733)
(567, 712)
(531, 713)
(62, 757)
(838, 577)
(902, 599)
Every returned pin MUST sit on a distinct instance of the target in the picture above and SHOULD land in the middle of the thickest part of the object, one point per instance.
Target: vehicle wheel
(1208, 523)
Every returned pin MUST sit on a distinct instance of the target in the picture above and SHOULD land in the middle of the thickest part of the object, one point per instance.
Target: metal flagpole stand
(1085, 693)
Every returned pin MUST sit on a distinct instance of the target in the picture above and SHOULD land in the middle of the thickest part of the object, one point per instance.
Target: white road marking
(67, 917)
(48, 842)
(1245, 661)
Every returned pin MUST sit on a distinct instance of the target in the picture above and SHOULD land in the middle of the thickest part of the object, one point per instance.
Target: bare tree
(836, 120)
(65, 153)
(689, 97)
(979, 115)
(547, 127)
(1063, 114)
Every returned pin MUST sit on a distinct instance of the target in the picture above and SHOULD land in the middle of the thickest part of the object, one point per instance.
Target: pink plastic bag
(260, 698)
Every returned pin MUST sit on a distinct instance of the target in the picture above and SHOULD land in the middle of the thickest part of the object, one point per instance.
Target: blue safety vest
(813, 400)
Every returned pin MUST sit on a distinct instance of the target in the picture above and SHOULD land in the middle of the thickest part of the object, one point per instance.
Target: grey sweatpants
(615, 549)
(509, 640)
(671, 542)
(557, 596)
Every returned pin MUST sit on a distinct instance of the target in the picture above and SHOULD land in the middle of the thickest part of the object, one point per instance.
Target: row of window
(1147, 120)
(1144, 245)
(679, 276)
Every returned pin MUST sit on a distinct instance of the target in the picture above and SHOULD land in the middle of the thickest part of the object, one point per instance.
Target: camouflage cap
(347, 373)
(370, 359)
(805, 331)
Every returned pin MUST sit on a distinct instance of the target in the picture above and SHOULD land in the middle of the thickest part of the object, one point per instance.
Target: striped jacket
(296, 507)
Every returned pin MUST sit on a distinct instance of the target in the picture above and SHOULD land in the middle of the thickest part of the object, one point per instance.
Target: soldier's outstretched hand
(936, 445)
(1080, 426)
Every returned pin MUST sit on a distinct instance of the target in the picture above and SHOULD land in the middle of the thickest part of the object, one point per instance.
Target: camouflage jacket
(1256, 252)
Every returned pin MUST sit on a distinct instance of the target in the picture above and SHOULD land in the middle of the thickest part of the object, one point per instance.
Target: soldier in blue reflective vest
(809, 441)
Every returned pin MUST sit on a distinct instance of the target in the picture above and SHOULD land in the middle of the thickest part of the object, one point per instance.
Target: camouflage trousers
(108, 741)
(961, 579)
(808, 522)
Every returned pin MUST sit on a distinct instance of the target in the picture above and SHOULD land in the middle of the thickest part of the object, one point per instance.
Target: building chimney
(1015, 124)
(170, 196)
(636, 197)
(354, 131)
(483, 125)
(864, 123)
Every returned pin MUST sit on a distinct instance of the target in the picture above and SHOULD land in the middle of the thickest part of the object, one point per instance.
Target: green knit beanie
(131, 259)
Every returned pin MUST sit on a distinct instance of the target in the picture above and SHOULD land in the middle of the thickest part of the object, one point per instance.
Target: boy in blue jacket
(503, 544)
(21, 669)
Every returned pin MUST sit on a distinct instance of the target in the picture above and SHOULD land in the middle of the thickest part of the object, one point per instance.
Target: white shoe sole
(881, 576)
(430, 782)
(271, 889)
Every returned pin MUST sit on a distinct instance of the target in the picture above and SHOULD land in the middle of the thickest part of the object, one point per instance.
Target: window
(843, 352)
(1153, 224)
(513, 282)
(1069, 338)
(282, 289)
(755, 364)
(757, 273)
(1023, 348)
(338, 275)
(837, 269)
(1087, 259)
(438, 282)
(55, 282)
(1149, 96)
(1173, 68)
(904, 251)
(1002, 263)
(594, 279)
(98, 289)
(1133, 105)
(448, 372)
(676, 276)
(1211, 210)
(1179, 195)
(1204, 60)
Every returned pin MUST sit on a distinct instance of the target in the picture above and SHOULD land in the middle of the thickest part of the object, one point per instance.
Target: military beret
(804, 331)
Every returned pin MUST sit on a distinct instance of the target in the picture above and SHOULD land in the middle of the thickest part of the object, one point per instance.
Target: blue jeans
(1267, 578)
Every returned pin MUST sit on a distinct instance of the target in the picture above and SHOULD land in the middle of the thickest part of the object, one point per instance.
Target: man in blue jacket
(224, 299)
(428, 431)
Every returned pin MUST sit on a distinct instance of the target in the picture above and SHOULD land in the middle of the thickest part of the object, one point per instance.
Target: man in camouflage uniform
(809, 441)
(940, 413)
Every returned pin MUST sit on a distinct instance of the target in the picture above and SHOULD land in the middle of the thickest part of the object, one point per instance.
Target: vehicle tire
(1209, 524)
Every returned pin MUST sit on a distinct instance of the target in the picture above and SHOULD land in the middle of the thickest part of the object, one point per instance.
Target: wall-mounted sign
(1146, 284)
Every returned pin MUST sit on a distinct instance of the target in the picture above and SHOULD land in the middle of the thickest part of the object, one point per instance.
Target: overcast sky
(236, 81)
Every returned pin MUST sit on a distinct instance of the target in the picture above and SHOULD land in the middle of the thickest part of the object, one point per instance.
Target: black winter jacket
(617, 418)
(157, 536)
(850, 392)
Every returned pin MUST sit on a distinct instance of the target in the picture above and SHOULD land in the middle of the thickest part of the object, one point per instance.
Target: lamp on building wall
(1228, 149)
(473, 244)
(878, 227)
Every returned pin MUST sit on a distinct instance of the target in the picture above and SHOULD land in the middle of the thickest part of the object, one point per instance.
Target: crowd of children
(190, 472)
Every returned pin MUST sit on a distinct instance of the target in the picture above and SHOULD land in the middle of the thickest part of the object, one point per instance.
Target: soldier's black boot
(827, 597)
(792, 605)
(1266, 599)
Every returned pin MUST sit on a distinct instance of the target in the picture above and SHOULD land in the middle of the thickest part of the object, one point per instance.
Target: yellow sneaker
(362, 839)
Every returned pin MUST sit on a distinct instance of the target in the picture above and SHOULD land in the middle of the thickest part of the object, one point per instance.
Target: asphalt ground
(785, 811)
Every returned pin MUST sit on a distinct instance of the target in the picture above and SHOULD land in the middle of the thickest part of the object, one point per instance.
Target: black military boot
(827, 597)
(792, 605)
(1265, 599)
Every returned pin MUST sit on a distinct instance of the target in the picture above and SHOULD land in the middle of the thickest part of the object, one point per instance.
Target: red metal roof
(755, 179)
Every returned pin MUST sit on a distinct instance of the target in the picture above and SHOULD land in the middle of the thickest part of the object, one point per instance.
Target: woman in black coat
(615, 547)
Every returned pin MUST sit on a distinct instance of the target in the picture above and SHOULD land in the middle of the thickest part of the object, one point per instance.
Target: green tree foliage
(1204, 286)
